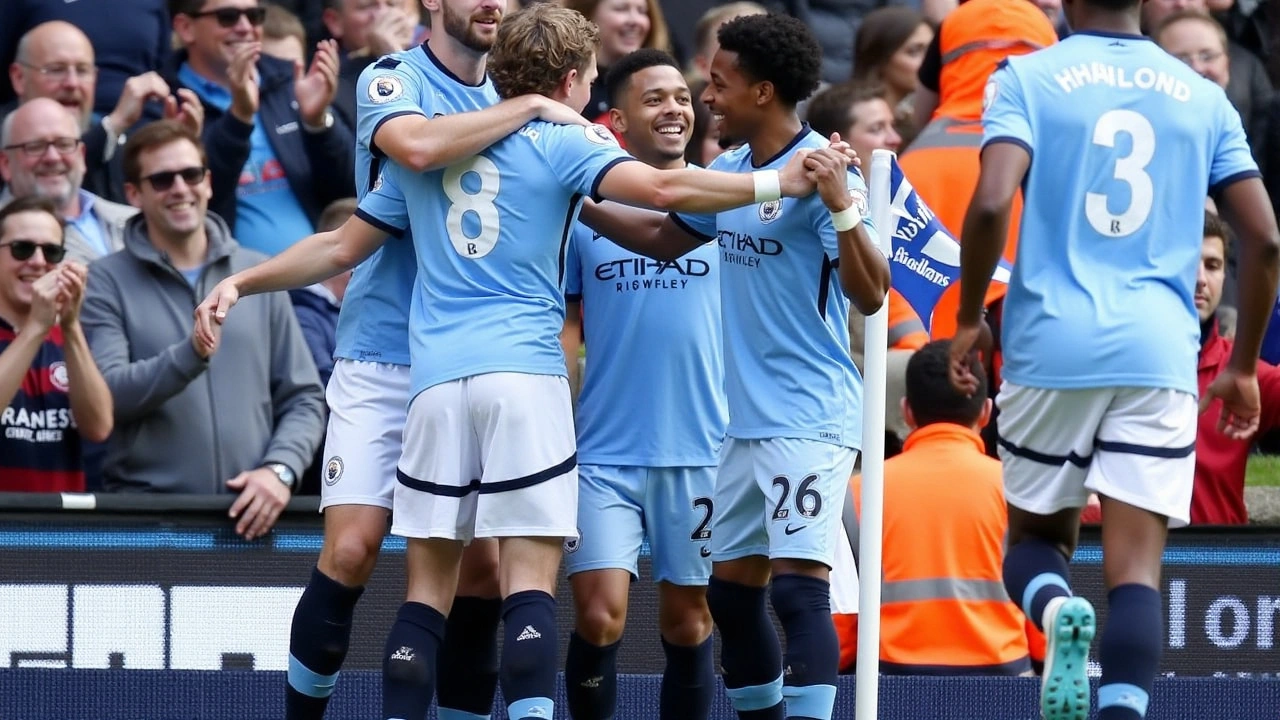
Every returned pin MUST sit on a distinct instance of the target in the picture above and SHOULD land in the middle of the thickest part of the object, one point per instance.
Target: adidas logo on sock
(404, 653)
(528, 634)
(592, 683)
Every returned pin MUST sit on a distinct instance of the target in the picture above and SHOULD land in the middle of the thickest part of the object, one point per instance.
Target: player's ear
(618, 120)
(764, 92)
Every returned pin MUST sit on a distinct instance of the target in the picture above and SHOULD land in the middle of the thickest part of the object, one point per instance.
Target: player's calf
(803, 605)
(467, 671)
(528, 568)
(591, 668)
(750, 653)
(689, 678)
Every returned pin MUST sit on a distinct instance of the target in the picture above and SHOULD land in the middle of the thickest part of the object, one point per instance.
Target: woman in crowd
(888, 50)
(625, 26)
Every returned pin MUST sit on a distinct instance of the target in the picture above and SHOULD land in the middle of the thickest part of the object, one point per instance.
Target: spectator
(704, 34)
(283, 36)
(1248, 87)
(944, 612)
(171, 435)
(44, 157)
(1198, 40)
(131, 39)
(837, 22)
(625, 26)
(51, 392)
(888, 51)
(1218, 494)
(366, 30)
(278, 153)
(56, 60)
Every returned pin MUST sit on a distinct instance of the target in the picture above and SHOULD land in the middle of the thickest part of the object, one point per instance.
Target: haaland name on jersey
(1144, 78)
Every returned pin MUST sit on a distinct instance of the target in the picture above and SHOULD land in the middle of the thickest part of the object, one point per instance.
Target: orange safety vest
(942, 163)
(906, 332)
(944, 609)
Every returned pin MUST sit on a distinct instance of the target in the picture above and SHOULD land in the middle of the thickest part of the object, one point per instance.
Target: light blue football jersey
(1126, 143)
(786, 319)
(373, 324)
(490, 234)
(653, 395)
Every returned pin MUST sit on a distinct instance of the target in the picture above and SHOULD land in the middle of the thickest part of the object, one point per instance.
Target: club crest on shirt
(989, 93)
(333, 471)
(58, 376)
(859, 197)
(600, 135)
(770, 211)
(384, 89)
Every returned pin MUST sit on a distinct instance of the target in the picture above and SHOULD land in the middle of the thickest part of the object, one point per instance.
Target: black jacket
(320, 167)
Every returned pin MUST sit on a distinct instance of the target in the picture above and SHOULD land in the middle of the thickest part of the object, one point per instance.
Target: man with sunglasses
(278, 153)
(241, 413)
(51, 393)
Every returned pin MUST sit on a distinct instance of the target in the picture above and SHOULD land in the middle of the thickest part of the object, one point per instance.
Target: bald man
(55, 60)
(43, 157)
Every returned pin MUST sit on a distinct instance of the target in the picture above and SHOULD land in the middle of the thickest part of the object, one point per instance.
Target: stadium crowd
(151, 152)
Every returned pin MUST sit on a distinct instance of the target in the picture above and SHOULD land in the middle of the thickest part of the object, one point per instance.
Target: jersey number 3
(478, 201)
(1130, 169)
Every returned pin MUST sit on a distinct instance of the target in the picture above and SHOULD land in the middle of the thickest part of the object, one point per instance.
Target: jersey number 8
(478, 202)
(1130, 169)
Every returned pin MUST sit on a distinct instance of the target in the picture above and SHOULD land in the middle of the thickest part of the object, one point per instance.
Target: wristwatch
(283, 472)
(324, 125)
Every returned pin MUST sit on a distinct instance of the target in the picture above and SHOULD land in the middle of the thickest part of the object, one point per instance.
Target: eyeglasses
(61, 71)
(22, 250)
(1204, 56)
(229, 16)
(37, 148)
(162, 181)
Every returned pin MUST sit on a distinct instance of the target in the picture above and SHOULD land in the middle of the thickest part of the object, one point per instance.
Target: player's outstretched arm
(706, 191)
(864, 270)
(314, 258)
(983, 237)
(421, 144)
(644, 232)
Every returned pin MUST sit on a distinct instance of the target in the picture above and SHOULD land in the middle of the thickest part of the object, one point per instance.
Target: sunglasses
(229, 16)
(162, 181)
(23, 250)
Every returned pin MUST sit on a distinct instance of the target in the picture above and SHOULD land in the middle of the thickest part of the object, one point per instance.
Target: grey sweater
(183, 424)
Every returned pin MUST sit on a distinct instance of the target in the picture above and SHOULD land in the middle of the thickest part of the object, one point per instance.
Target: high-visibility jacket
(906, 332)
(942, 162)
(944, 609)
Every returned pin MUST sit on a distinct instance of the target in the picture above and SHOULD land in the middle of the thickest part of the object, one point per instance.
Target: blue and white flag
(926, 257)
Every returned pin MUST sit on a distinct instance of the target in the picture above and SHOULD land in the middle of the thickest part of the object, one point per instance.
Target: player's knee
(599, 622)
(684, 617)
(351, 555)
(796, 595)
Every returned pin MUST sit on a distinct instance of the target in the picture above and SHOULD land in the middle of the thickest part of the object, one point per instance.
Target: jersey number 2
(478, 202)
(1130, 169)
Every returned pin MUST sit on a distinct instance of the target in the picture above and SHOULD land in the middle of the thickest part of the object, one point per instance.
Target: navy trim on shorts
(1103, 445)
(476, 486)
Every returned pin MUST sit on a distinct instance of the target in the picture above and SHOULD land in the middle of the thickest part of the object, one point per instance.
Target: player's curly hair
(619, 75)
(538, 46)
(778, 49)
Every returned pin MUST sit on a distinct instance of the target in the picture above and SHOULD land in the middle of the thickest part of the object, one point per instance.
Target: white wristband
(847, 219)
(768, 186)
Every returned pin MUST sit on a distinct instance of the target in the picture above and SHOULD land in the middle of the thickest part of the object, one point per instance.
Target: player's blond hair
(538, 46)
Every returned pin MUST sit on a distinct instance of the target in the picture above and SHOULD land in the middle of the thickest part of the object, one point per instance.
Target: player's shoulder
(548, 135)
(732, 160)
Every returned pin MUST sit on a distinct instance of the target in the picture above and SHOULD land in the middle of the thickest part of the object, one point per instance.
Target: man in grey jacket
(189, 415)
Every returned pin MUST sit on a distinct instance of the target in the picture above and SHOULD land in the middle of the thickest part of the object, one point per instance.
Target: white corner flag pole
(867, 698)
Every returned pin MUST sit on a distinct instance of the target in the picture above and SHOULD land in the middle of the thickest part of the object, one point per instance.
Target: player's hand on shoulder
(1241, 403)
(262, 498)
(554, 111)
(844, 148)
(971, 343)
